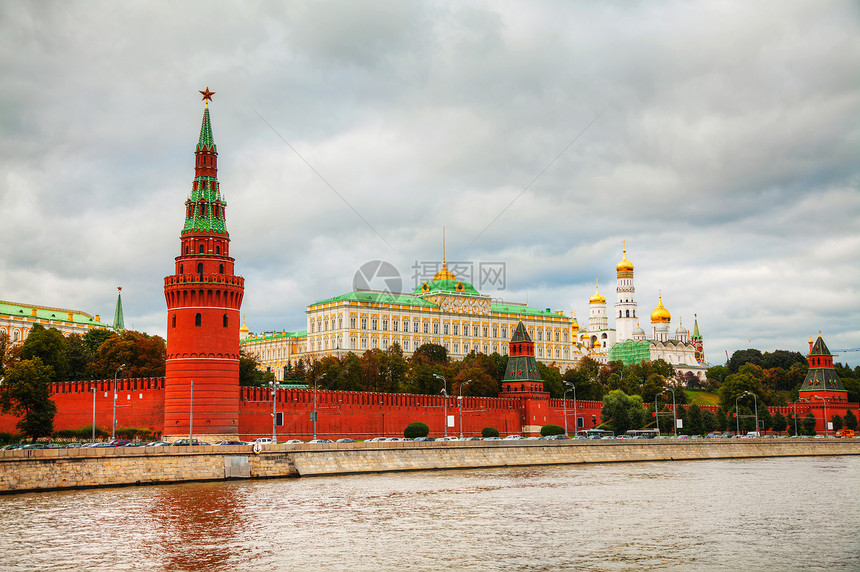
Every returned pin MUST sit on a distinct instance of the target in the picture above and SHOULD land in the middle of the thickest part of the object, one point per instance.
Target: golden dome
(598, 297)
(625, 265)
(444, 274)
(660, 313)
(244, 328)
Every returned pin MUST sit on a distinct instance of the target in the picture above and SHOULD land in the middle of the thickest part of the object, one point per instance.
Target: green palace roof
(379, 297)
(275, 336)
(17, 310)
(445, 285)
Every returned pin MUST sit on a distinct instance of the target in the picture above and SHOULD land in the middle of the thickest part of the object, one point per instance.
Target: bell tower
(203, 297)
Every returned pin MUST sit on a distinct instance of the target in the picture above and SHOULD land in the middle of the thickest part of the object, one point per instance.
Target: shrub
(547, 430)
(9, 438)
(416, 429)
(489, 432)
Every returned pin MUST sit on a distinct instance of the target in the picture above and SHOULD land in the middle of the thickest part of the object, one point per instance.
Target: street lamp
(94, 411)
(445, 393)
(315, 415)
(795, 418)
(737, 415)
(274, 386)
(826, 429)
(460, 403)
(113, 423)
(674, 416)
(568, 387)
(755, 401)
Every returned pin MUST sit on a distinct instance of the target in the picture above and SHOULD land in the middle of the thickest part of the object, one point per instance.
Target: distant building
(17, 319)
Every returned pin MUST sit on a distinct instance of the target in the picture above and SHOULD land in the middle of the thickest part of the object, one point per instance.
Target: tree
(838, 422)
(742, 357)
(551, 429)
(141, 355)
(808, 427)
(50, 347)
(850, 420)
(249, 375)
(717, 374)
(622, 412)
(551, 380)
(779, 422)
(722, 420)
(431, 353)
(416, 429)
(693, 422)
(25, 392)
(489, 432)
(709, 421)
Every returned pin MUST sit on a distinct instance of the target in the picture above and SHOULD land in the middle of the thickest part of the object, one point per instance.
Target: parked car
(35, 446)
(293, 441)
(557, 437)
(189, 442)
(231, 443)
(472, 439)
(424, 439)
(118, 443)
(263, 440)
(376, 439)
(135, 444)
(513, 438)
(492, 439)
(320, 441)
(345, 440)
(159, 444)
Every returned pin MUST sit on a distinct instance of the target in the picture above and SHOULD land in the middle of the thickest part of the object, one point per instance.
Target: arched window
(628, 313)
(174, 320)
(199, 268)
(225, 320)
(201, 248)
(220, 269)
(217, 250)
(180, 269)
(197, 320)
(186, 249)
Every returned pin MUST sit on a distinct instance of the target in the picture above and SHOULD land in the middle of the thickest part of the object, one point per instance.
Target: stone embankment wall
(49, 469)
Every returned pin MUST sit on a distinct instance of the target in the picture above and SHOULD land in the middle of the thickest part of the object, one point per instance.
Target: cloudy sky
(720, 139)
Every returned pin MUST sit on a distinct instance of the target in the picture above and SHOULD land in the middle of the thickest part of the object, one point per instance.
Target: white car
(513, 437)
(263, 440)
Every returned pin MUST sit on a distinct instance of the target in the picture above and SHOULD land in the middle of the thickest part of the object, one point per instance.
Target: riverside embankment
(51, 469)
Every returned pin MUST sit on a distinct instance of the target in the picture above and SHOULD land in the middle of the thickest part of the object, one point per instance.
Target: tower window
(199, 268)
(628, 313)
(197, 320)
(221, 269)
(180, 269)
(186, 249)
(217, 250)
(224, 320)
(174, 320)
(201, 248)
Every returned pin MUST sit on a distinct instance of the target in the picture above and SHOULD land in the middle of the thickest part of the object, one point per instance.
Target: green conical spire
(696, 327)
(118, 320)
(207, 141)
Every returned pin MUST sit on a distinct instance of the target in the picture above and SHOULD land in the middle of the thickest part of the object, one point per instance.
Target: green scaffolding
(631, 352)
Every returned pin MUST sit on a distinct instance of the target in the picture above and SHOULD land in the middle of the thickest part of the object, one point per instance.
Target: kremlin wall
(200, 393)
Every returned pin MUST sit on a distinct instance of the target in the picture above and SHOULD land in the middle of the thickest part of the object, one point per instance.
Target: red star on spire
(207, 95)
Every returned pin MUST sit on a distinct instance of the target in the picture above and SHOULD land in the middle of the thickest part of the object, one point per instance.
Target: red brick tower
(203, 301)
(522, 380)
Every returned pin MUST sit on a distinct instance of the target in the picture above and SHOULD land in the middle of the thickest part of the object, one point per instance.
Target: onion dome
(444, 274)
(625, 265)
(575, 325)
(598, 297)
(639, 332)
(244, 329)
(660, 313)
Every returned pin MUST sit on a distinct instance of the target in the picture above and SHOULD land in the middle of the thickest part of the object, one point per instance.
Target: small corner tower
(203, 297)
(522, 380)
(821, 380)
(698, 341)
(118, 319)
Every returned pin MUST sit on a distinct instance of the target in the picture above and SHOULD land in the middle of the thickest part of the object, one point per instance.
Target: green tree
(489, 432)
(141, 355)
(709, 421)
(94, 339)
(742, 357)
(717, 374)
(79, 357)
(416, 429)
(622, 412)
(551, 380)
(779, 423)
(722, 420)
(25, 392)
(850, 420)
(249, 374)
(551, 429)
(693, 421)
(431, 354)
(50, 347)
(808, 427)
(838, 422)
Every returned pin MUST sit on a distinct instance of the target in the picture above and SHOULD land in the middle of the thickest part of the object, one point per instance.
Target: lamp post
(674, 415)
(755, 400)
(568, 387)
(445, 403)
(737, 417)
(94, 412)
(315, 403)
(113, 422)
(826, 429)
(274, 386)
(795, 419)
(657, 414)
(460, 403)
(191, 415)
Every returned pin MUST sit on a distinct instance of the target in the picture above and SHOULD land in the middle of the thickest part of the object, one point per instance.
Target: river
(759, 514)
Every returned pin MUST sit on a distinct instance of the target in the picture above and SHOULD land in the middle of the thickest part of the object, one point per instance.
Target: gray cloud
(725, 153)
